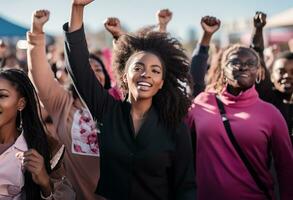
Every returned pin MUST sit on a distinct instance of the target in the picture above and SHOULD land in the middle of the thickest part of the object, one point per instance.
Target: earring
(225, 80)
(20, 127)
(257, 80)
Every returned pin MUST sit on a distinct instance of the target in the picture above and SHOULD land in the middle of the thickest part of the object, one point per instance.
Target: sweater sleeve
(53, 95)
(283, 156)
(90, 90)
(198, 68)
(184, 166)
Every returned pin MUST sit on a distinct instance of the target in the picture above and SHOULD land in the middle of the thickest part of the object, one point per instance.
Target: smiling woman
(144, 145)
(24, 147)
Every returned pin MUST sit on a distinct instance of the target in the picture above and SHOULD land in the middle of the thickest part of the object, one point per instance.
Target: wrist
(47, 197)
(258, 29)
(46, 188)
(162, 27)
(45, 184)
(206, 39)
(77, 5)
(36, 30)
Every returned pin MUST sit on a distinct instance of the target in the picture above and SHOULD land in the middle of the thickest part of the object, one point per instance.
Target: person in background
(74, 124)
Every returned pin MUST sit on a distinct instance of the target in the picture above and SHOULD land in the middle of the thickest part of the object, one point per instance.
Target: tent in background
(12, 33)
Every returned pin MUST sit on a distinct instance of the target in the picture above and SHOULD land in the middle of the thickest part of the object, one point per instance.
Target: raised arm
(76, 14)
(51, 93)
(91, 91)
(264, 85)
(164, 16)
(200, 55)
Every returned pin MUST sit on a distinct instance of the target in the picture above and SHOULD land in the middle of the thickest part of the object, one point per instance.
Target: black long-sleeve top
(198, 68)
(156, 164)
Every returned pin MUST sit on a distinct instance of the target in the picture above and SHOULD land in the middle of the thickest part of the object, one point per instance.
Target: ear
(21, 104)
(124, 78)
(162, 83)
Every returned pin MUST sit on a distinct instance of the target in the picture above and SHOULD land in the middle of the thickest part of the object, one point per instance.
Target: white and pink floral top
(84, 134)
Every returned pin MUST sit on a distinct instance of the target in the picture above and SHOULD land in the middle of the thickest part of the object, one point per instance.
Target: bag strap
(262, 186)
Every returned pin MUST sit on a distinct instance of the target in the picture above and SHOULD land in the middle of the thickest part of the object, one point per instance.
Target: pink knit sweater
(259, 129)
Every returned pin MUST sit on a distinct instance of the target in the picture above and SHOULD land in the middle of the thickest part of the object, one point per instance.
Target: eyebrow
(140, 63)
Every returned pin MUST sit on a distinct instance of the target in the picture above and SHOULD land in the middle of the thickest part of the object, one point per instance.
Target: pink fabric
(107, 58)
(258, 128)
(4, 147)
(11, 169)
(116, 93)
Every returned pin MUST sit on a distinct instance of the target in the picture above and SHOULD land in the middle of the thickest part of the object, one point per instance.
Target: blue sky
(136, 13)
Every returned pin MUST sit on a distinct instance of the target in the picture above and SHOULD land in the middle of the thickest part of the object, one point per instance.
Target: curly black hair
(173, 100)
(33, 126)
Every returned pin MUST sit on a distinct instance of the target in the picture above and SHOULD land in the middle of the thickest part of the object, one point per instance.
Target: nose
(243, 67)
(145, 73)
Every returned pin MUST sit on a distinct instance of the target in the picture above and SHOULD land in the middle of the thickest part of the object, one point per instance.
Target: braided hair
(33, 126)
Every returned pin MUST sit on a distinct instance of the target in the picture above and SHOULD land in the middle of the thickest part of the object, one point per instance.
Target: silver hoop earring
(257, 80)
(20, 127)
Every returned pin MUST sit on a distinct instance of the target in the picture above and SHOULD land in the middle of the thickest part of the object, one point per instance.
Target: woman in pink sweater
(258, 127)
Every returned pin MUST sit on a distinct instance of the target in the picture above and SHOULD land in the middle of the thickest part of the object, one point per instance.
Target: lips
(286, 83)
(143, 85)
(242, 75)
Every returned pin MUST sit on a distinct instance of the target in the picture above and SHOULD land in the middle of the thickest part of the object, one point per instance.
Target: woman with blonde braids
(238, 168)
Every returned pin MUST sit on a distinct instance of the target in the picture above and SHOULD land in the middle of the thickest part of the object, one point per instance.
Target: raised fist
(112, 24)
(164, 16)
(81, 2)
(259, 20)
(39, 18)
(210, 24)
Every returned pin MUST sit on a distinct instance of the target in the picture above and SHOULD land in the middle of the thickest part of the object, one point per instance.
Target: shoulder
(268, 107)
(204, 97)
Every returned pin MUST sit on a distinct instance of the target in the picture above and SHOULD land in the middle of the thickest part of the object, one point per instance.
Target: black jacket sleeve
(198, 70)
(90, 90)
(184, 166)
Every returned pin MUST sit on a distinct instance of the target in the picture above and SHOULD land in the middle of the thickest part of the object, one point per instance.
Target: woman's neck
(8, 133)
(235, 91)
(139, 108)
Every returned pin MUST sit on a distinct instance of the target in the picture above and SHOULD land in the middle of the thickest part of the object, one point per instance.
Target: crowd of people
(153, 124)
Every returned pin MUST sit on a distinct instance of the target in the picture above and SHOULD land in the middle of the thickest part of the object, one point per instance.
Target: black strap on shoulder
(237, 147)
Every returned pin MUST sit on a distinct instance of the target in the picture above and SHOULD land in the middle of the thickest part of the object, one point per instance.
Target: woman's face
(10, 103)
(144, 75)
(98, 70)
(282, 75)
(241, 69)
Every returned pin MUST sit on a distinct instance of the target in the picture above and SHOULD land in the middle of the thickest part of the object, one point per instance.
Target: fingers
(210, 21)
(42, 14)
(112, 21)
(260, 18)
(81, 2)
(164, 13)
(32, 160)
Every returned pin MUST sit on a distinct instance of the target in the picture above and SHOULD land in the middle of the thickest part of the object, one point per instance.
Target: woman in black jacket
(144, 145)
